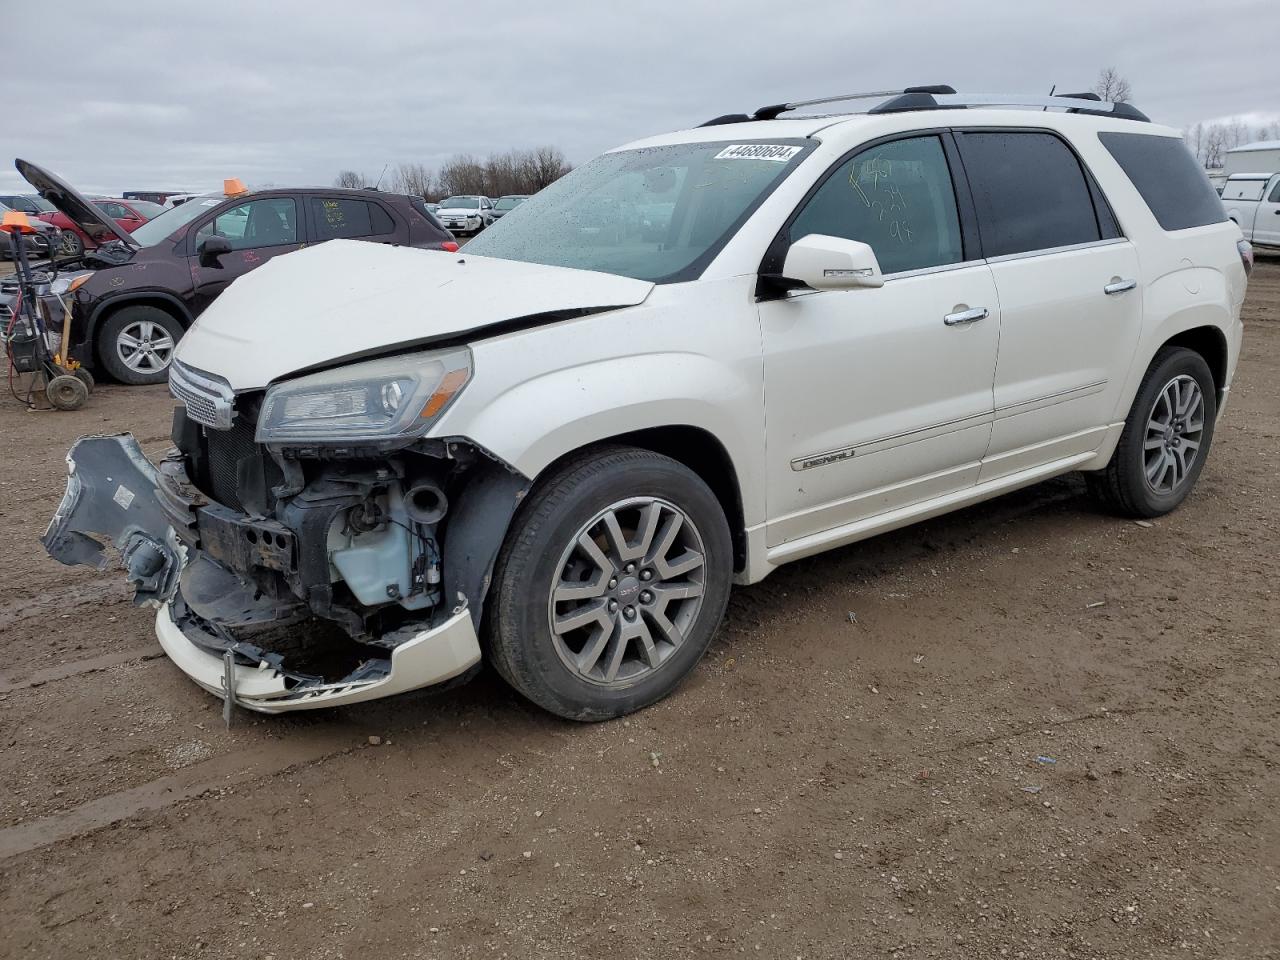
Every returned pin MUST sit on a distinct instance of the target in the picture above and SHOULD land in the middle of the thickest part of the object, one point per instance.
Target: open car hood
(346, 299)
(69, 200)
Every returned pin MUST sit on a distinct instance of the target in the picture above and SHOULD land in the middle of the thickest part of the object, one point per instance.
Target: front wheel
(71, 245)
(612, 581)
(136, 344)
(1166, 437)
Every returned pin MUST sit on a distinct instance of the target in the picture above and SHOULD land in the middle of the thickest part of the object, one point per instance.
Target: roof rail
(943, 97)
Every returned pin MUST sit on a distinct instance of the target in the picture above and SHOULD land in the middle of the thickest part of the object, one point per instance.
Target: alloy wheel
(629, 588)
(144, 346)
(1175, 430)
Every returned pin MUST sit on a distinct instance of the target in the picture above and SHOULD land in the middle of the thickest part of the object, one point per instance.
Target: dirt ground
(1028, 729)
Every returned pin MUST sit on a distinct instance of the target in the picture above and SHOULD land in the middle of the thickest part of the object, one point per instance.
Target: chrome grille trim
(209, 400)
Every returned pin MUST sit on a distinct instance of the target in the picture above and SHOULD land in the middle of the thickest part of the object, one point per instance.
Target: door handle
(1120, 286)
(965, 316)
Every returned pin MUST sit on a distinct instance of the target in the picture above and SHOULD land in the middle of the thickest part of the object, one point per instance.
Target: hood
(92, 221)
(349, 298)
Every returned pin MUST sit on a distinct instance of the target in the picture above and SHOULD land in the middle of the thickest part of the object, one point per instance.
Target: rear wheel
(613, 579)
(1166, 437)
(136, 344)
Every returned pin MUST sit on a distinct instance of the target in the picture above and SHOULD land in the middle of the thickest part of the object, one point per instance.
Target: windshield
(508, 203)
(456, 202)
(147, 208)
(659, 213)
(166, 224)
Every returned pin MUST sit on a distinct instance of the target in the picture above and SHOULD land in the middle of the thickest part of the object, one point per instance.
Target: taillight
(1245, 249)
(451, 246)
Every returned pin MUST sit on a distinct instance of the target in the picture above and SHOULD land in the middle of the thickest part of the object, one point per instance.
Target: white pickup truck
(1253, 202)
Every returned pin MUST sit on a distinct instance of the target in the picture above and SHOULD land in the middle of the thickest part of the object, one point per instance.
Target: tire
(85, 377)
(1176, 375)
(72, 245)
(66, 392)
(145, 356)
(679, 615)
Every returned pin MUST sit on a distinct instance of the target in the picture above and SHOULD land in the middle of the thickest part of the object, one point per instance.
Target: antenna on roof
(382, 174)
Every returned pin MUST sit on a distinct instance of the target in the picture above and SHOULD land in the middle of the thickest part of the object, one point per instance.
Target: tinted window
(257, 223)
(1173, 185)
(1029, 191)
(340, 217)
(1275, 194)
(897, 198)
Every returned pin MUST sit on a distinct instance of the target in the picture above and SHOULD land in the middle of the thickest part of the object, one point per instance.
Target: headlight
(398, 398)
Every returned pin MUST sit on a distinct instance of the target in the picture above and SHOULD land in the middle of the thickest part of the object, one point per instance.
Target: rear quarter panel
(1190, 278)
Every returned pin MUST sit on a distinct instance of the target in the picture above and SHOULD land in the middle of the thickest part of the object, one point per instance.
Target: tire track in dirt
(16, 681)
(232, 769)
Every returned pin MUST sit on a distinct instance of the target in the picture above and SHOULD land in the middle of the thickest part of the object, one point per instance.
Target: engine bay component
(334, 589)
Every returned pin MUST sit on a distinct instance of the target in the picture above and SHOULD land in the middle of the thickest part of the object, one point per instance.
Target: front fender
(534, 422)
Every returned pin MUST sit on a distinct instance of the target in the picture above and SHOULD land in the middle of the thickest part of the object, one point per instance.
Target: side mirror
(211, 248)
(831, 263)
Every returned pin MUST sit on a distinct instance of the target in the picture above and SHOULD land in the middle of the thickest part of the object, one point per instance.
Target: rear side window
(1163, 170)
(1029, 191)
(1275, 194)
(338, 217)
(896, 198)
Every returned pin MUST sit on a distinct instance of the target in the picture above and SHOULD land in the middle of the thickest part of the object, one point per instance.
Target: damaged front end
(295, 575)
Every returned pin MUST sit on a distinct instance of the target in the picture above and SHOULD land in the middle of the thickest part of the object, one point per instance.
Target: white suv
(557, 449)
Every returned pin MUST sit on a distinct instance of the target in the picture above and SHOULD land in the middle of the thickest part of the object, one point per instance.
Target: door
(349, 218)
(1070, 296)
(257, 231)
(879, 398)
(1266, 227)
(126, 218)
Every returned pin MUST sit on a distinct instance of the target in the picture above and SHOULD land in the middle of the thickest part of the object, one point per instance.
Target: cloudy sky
(155, 94)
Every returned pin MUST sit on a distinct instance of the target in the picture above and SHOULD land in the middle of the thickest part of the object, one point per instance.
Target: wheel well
(704, 454)
(1211, 344)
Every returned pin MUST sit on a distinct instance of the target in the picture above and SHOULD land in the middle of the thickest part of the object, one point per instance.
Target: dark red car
(128, 214)
(134, 295)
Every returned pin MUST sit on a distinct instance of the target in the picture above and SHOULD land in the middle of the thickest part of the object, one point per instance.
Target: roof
(810, 126)
(1260, 145)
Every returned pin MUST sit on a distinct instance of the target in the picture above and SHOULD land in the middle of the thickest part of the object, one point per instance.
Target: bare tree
(349, 178)
(516, 171)
(414, 179)
(1111, 86)
(547, 166)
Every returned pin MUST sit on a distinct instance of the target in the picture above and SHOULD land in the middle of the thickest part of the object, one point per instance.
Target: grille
(208, 399)
(200, 408)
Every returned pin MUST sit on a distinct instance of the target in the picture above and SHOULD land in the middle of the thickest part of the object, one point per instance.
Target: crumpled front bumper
(431, 657)
(115, 493)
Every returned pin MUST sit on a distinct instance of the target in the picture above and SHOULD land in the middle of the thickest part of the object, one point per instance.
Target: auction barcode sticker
(778, 152)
